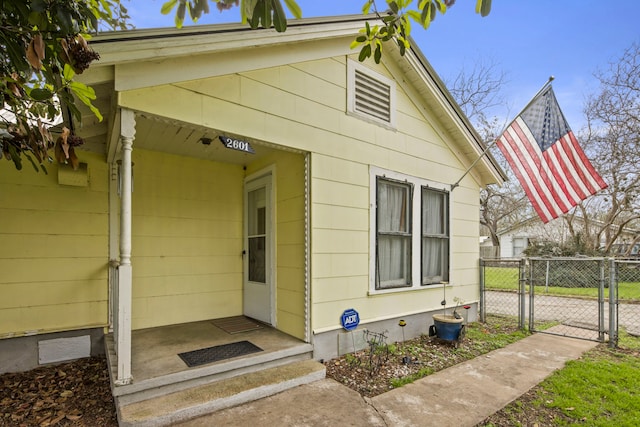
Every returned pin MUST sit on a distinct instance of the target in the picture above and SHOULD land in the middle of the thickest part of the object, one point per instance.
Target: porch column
(123, 343)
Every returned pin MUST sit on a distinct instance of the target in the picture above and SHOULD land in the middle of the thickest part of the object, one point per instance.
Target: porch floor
(155, 350)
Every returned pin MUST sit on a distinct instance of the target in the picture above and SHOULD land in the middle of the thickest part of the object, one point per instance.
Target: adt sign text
(350, 319)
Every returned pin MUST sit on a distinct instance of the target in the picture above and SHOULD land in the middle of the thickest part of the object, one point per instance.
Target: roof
(138, 58)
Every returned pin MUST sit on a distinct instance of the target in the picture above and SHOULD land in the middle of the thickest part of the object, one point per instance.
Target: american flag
(545, 155)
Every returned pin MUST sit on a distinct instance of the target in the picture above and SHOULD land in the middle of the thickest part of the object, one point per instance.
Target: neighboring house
(244, 172)
(487, 250)
(515, 239)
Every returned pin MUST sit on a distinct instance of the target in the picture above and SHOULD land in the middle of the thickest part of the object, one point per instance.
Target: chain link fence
(626, 277)
(588, 298)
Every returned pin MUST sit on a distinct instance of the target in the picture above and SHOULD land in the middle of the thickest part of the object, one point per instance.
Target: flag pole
(495, 141)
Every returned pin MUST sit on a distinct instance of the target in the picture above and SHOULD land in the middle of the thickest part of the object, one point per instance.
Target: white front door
(258, 292)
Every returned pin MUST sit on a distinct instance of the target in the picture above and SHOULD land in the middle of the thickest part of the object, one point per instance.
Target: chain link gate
(568, 294)
(587, 298)
(502, 288)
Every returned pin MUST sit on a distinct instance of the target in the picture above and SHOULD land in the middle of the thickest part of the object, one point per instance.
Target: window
(435, 236)
(393, 234)
(371, 96)
(410, 239)
(519, 245)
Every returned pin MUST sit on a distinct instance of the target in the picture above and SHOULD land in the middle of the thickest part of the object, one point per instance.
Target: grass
(506, 279)
(599, 389)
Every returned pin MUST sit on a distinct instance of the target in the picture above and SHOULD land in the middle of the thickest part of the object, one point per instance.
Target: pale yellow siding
(54, 249)
(303, 106)
(186, 239)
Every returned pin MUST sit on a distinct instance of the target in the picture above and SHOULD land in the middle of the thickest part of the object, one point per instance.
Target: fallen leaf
(66, 393)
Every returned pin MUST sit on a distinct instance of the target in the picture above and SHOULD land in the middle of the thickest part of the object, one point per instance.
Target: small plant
(351, 359)
(457, 300)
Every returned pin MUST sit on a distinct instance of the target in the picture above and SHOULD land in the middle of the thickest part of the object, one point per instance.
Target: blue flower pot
(447, 327)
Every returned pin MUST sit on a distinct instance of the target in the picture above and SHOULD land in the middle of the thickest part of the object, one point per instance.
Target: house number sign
(237, 144)
(350, 319)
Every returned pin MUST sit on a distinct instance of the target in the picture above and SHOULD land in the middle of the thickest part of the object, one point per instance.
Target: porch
(165, 390)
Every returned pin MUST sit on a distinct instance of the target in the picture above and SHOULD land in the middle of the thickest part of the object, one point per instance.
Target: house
(243, 172)
(516, 238)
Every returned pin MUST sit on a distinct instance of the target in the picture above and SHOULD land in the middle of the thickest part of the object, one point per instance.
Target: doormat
(237, 324)
(217, 353)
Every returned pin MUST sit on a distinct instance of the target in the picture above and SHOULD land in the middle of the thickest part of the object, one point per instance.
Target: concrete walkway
(462, 395)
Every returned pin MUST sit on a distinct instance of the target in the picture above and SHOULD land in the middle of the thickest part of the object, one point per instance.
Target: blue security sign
(350, 319)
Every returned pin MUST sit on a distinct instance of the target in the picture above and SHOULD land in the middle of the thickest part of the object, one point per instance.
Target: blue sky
(529, 41)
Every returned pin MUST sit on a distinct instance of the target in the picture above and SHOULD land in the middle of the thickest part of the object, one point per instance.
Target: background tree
(613, 141)
(478, 91)
(43, 45)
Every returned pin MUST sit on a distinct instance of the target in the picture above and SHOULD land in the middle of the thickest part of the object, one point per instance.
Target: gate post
(522, 287)
(531, 288)
(601, 329)
(613, 303)
(483, 300)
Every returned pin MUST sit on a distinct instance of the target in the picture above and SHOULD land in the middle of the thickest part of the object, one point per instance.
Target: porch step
(169, 383)
(204, 399)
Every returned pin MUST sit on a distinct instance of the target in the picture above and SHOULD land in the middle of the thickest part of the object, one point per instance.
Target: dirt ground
(78, 394)
(70, 394)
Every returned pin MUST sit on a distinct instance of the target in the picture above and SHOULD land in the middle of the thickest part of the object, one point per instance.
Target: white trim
(416, 271)
(307, 247)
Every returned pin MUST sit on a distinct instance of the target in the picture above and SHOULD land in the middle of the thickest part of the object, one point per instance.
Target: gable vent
(372, 97)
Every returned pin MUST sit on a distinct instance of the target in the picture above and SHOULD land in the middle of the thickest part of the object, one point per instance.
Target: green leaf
(279, 17)
(413, 14)
(167, 7)
(68, 73)
(483, 7)
(378, 53)
(266, 13)
(366, 8)
(293, 8)
(442, 7)
(32, 162)
(82, 90)
(15, 157)
(40, 94)
(361, 39)
(179, 19)
(393, 6)
(402, 47)
(365, 52)
(85, 94)
(248, 11)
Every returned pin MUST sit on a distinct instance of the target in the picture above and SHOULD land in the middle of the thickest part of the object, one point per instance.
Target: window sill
(376, 292)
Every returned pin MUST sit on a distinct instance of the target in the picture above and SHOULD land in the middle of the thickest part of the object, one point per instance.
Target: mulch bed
(70, 394)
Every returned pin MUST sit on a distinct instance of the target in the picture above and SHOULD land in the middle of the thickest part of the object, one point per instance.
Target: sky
(527, 40)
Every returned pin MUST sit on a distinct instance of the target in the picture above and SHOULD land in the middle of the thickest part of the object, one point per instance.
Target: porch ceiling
(168, 136)
(183, 139)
